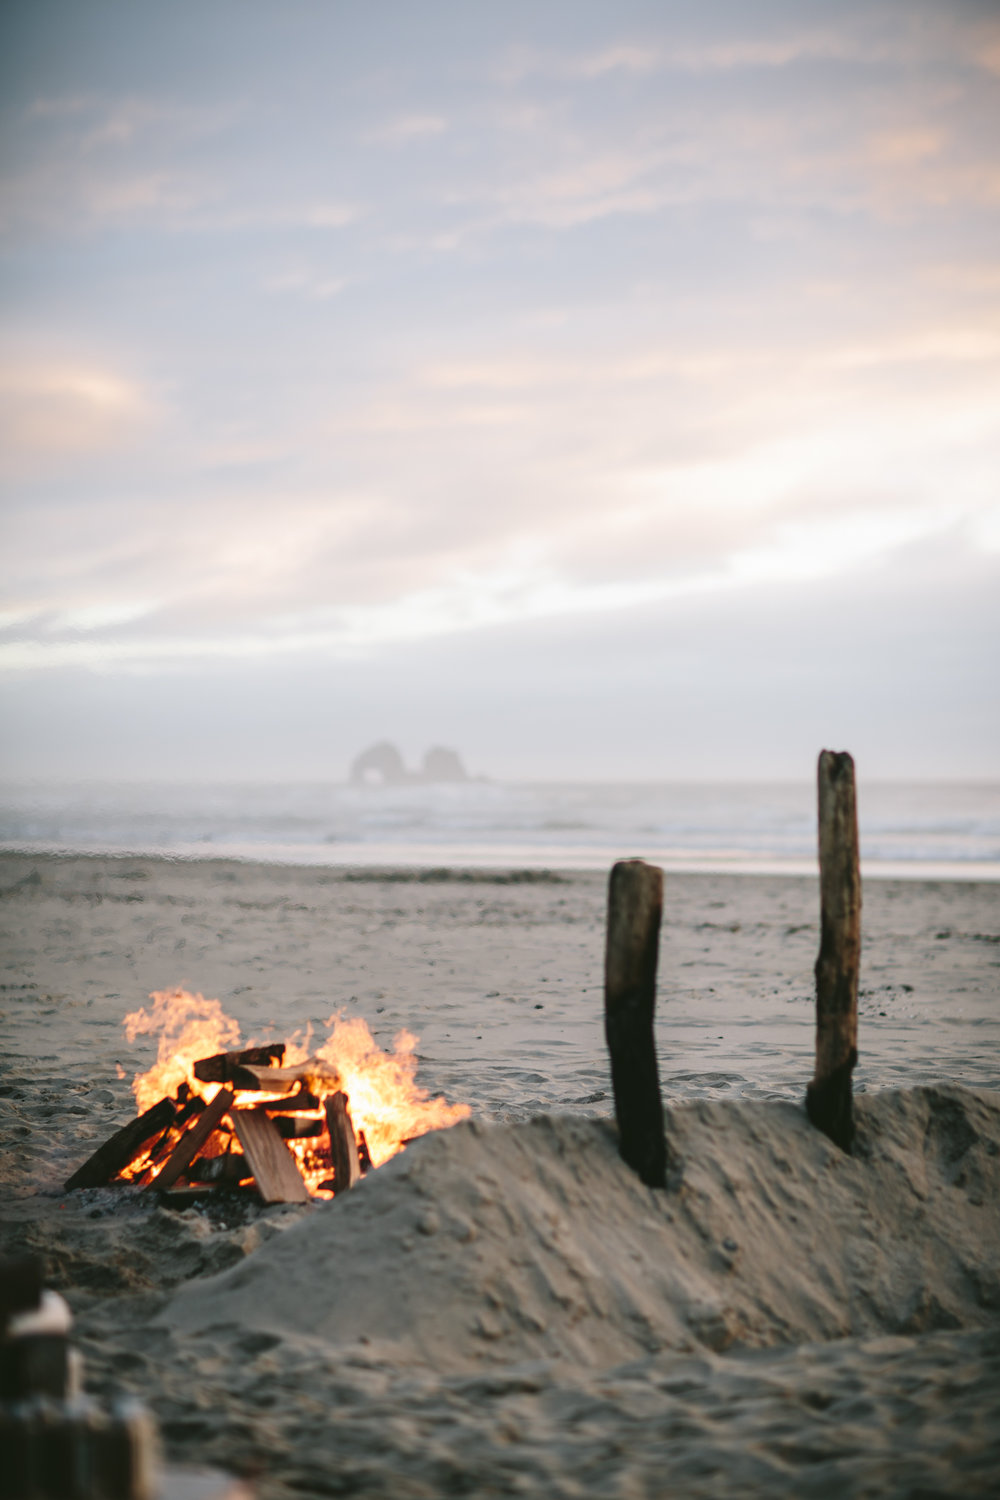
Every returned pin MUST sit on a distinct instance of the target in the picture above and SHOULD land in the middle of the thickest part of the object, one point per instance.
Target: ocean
(931, 830)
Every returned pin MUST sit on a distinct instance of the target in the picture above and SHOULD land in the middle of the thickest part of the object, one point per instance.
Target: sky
(608, 391)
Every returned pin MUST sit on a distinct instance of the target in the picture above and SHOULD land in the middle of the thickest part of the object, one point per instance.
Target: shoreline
(498, 973)
(461, 861)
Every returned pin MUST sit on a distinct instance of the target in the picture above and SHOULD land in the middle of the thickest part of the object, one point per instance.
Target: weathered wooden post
(828, 1097)
(635, 906)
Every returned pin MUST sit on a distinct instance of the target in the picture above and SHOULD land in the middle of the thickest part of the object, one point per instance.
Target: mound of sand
(500, 1244)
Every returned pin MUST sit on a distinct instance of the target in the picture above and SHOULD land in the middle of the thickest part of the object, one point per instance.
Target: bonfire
(288, 1120)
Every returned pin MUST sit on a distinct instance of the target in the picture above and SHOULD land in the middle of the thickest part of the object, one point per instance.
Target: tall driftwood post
(635, 906)
(828, 1098)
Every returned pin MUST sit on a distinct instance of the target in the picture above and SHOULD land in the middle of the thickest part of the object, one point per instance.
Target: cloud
(333, 215)
(303, 281)
(320, 352)
(280, 589)
(58, 198)
(52, 414)
(624, 56)
(86, 161)
(884, 34)
(406, 128)
(696, 55)
(595, 186)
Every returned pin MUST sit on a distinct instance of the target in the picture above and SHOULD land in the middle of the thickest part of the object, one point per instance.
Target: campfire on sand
(279, 1119)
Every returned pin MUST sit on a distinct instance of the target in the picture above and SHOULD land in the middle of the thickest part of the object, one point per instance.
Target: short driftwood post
(635, 906)
(828, 1098)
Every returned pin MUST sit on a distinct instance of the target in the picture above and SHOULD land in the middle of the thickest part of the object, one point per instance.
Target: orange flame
(190, 1027)
(384, 1098)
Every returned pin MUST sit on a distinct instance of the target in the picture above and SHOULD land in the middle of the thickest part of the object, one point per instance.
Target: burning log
(295, 1127)
(124, 1146)
(226, 1171)
(188, 1111)
(314, 1071)
(221, 1067)
(275, 1172)
(159, 1152)
(343, 1145)
(291, 1103)
(191, 1142)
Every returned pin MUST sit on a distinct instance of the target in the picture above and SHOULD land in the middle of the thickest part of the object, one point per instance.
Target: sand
(505, 1309)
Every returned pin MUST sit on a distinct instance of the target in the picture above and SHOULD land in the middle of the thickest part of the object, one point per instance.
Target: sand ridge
(501, 1244)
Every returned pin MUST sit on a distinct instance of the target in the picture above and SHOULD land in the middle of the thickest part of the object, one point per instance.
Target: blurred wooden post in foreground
(828, 1098)
(635, 906)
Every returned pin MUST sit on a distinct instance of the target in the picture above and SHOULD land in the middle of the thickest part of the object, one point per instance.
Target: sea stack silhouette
(382, 765)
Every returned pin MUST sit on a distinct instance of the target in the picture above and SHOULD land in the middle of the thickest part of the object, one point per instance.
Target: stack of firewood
(184, 1146)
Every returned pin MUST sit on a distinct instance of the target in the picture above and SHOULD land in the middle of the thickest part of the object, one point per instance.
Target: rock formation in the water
(382, 765)
(442, 765)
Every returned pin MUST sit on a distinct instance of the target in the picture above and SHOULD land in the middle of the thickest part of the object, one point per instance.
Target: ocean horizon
(938, 830)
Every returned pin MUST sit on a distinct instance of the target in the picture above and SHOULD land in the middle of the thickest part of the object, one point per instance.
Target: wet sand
(504, 1309)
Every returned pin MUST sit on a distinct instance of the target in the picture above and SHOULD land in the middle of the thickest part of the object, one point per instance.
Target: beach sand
(504, 1309)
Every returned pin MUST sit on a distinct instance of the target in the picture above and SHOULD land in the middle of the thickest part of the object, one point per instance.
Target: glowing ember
(386, 1104)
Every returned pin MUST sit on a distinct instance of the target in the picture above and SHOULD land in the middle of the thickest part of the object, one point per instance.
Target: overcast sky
(605, 390)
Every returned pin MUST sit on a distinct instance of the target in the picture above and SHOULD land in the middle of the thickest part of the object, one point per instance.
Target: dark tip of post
(838, 764)
(829, 1104)
(635, 907)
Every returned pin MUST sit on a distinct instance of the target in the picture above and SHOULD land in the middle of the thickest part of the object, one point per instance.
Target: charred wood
(231, 1168)
(286, 1080)
(193, 1139)
(123, 1147)
(191, 1193)
(221, 1067)
(194, 1106)
(303, 1100)
(297, 1127)
(160, 1150)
